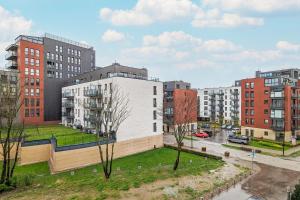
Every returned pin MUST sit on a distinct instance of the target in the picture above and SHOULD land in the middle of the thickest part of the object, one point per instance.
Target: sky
(208, 43)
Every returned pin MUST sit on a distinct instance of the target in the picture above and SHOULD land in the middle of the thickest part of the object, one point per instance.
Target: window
(32, 102)
(247, 103)
(247, 85)
(154, 114)
(26, 101)
(32, 72)
(266, 91)
(37, 82)
(56, 48)
(266, 111)
(68, 59)
(79, 62)
(154, 127)
(154, 90)
(251, 94)
(37, 102)
(26, 51)
(37, 72)
(252, 121)
(31, 92)
(246, 94)
(56, 56)
(26, 61)
(251, 103)
(32, 52)
(246, 112)
(252, 85)
(52, 56)
(37, 92)
(79, 69)
(266, 121)
(60, 49)
(37, 112)
(68, 50)
(32, 81)
(266, 101)
(37, 53)
(75, 52)
(37, 63)
(31, 61)
(60, 74)
(154, 103)
(68, 68)
(72, 51)
(26, 112)
(48, 55)
(26, 81)
(247, 121)
(252, 133)
(60, 58)
(56, 74)
(266, 133)
(79, 53)
(26, 71)
(72, 60)
(252, 112)
(26, 91)
(31, 112)
(76, 61)
(56, 66)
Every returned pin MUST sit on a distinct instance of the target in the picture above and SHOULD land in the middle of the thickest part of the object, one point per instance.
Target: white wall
(140, 94)
(227, 101)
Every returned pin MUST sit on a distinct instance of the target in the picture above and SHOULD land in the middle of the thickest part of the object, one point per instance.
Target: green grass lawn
(88, 182)
(64, 135)
(266, 144)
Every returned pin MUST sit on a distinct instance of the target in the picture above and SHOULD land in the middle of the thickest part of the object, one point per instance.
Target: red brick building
(270, 105)
(180, 105)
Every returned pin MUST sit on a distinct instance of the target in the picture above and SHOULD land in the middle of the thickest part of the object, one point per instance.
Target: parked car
(210, 133)
(205, 126)
(229, 127)
(238, 139)
(223, 126)
(201, 134)
(234, 128)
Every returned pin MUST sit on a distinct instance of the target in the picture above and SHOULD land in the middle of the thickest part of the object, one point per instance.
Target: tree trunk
(177, 159)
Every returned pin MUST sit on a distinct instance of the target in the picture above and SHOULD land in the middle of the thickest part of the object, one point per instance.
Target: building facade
(44, 63)
(145, 98)
(176, 92)
(270, 105)
(222, 104)
(9, 88)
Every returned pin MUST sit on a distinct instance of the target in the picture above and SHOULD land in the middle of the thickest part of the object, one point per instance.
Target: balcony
(92, 93)
(11, 47)
(90, 117)
(68, 115)
(277, 127)
(295, 96)
(68, 104)
(236, 92)
(294, 106)
(277, 106)
(68, 95)
(11, 55)
(91, 105)
(11, 65)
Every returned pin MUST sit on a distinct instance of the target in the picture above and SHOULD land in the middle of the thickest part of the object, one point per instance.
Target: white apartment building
(220, 104)
(145, 98)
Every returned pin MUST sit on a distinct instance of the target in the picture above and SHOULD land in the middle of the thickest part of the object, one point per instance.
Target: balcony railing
(68, 95)
(90, 117)
(91, 105)
(68, 115)
(11, 55)
(295, 96)
(11, 65)
(277, 127)
(277, 106)
(92, 93)
(68, 104)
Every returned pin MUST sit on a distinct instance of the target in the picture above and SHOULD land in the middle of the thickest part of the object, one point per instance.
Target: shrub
(5, 188)
(296, 193)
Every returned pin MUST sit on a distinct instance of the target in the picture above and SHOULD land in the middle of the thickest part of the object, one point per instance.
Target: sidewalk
(271, 151)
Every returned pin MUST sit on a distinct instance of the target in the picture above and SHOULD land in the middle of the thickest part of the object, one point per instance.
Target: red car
(201, 134)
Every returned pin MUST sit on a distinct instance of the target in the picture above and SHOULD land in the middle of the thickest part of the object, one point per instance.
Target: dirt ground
(187, 187)
(271, 182)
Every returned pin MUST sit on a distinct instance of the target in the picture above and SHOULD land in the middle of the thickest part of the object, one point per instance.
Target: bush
(268, 144)
(5, 188)
(296, 193)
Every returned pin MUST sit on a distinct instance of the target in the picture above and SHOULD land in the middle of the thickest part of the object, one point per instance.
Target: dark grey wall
(103, 72)
(52, 86)
(171, 85)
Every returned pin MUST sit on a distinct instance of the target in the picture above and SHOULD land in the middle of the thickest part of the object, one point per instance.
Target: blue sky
(208, 43)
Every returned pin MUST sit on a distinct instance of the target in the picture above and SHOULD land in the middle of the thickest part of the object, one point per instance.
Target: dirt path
(186, 187)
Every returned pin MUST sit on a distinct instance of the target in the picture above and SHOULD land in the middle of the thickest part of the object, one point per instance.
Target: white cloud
(254, 5)
(146, 12)
(11, 25)
(112, 36)
(219, 45)
(214, 18)
(287, 46)
(167, 39)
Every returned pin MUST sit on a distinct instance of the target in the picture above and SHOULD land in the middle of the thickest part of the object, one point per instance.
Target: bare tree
(112, 110)
(11, 130)
(184, 114)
